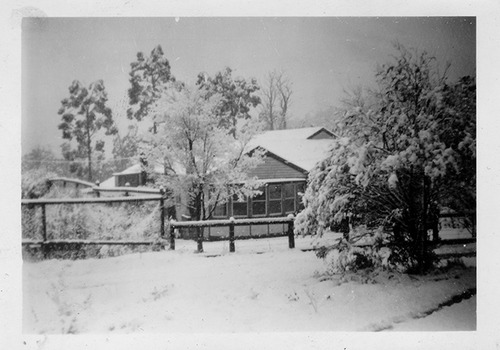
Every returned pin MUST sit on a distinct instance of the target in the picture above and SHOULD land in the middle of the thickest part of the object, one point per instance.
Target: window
(289, 198)
(301, 188)
(274, 199)
(220, 210)
(259, 203)
(240, 206)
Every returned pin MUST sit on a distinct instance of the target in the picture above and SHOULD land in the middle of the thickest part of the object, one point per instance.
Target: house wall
(134, 180)
(273, 168)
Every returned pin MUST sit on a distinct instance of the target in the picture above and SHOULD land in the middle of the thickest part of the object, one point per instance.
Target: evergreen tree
(237, 95)
(84, 113)
(149, 76)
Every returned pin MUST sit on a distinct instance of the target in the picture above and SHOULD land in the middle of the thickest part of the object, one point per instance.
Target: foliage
(237, 96)
(202, 163)
(35, 183)
(149, 76)
(84, 114)
(276, 95)
(399, 160)
(40, 158)
(125, 149)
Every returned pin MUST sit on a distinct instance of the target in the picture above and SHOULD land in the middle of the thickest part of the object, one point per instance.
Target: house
(289, 157)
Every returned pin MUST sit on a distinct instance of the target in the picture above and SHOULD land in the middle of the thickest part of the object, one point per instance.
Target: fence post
(162, 212)
(44, 232)
(171, 233)
(231, 235)
(44, 224)
(199, 238)
(291, 237)
(98, 194)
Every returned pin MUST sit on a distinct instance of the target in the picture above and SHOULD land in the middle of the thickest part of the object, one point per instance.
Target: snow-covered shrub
(407, 151)
(35, 183)
(345, 257)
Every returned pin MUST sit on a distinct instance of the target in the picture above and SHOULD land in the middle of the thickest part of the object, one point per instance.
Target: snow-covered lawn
(263, 287)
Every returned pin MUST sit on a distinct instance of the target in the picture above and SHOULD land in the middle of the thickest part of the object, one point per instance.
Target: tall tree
(276, 96)
(84, 113)
(203, 164)
(149, 76)
(237, 96)
(400, 159)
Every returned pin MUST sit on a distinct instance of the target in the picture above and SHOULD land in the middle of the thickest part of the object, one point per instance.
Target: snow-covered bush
(399, 158)
(35, 183)
(125, 221)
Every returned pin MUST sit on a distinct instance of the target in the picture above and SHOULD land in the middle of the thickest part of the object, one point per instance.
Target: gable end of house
(275, 167)
(321, 134)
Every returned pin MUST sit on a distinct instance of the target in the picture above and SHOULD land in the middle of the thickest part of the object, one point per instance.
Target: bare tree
(284, 87)
(275, 96)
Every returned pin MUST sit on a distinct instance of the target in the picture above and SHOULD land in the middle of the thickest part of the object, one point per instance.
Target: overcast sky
(321, 56)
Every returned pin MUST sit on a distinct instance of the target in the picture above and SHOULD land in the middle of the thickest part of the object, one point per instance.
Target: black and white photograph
(248, 175)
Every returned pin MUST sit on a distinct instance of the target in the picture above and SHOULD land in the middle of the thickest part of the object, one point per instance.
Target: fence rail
(77, 182)
(86, 242)
(126, 189)
(56, 201)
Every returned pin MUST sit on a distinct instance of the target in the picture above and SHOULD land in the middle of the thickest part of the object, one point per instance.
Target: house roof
(300, 133)
(295, 145)
(136, 169)
(108, 182)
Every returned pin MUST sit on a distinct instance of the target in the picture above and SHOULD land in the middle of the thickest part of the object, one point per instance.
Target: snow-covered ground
(263, 287)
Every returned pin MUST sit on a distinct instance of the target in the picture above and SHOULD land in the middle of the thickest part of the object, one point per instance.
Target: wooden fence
(45, 202)
(231, 223)
(159, 195)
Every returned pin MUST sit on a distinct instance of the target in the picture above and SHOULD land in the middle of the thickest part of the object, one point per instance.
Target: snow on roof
(294, 146)
(108, 183)
(301, 133)
(136, 169)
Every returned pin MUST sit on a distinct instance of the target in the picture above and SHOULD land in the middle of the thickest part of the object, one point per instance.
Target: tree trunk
(196, 215)
(423, 254)
(89, 149)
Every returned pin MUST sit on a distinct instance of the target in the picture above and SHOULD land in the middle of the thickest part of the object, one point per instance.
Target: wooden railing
(71, 201)
(97, 189)
(231, 223)
(76, 182)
